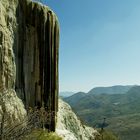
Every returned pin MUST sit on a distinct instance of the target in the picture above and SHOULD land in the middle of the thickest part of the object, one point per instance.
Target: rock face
(70, 127)
(29, 41)
(11, 108)
(7, 29)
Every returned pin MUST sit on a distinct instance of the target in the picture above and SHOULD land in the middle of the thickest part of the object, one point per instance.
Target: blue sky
(99, 43)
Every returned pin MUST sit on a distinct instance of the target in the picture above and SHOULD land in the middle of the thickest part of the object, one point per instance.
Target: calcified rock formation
(70, 128)
(29, 39)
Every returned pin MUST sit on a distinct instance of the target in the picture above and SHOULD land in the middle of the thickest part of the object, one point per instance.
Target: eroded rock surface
(7, 29)
(29, 40)
(70, 127)
(11, 107)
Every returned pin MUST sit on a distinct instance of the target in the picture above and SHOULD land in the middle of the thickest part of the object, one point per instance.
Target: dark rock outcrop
(29, 42)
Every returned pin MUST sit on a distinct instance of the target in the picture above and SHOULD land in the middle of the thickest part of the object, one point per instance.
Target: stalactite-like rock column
(29, 42)
(36, 53)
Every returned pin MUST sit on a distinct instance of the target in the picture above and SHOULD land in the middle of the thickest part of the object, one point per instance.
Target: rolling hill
(121, 110)
(72, 100)
(65, 94)
(118, 89)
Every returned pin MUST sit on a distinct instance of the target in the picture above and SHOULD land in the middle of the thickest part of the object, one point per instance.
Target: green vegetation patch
(122, 112)
(106, 135)
(42, 135)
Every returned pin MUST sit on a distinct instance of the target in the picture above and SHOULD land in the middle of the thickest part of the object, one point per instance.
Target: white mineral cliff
(29, 44)
(10, 105)
(70, 127)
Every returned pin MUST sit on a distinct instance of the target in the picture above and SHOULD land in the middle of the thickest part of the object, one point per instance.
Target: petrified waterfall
(29, 42)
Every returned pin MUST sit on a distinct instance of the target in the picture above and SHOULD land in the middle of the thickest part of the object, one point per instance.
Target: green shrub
(42, 135)
(106, 135)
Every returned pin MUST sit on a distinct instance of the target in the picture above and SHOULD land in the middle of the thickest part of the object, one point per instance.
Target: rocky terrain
(70, 127)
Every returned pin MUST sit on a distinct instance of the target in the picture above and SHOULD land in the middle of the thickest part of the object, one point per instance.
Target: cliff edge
(70, 127)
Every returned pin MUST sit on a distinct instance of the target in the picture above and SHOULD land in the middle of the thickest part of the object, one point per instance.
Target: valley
(119, 105)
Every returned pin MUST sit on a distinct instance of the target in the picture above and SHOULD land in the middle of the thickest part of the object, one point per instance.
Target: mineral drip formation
(29, 43)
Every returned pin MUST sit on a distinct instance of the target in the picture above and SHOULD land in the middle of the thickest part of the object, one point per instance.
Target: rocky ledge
(70, 127)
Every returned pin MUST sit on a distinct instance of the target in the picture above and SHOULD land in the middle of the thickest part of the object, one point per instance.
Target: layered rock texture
(29, 42)
(70, 127)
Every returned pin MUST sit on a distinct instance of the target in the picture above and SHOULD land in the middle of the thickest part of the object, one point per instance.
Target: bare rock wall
(29, 42)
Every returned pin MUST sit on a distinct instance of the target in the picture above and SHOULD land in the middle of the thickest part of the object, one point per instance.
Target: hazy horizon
(99, 43)
(97, 87)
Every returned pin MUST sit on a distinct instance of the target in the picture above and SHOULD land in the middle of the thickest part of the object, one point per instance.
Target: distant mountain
(72, 100)
(66, 94)
(119, 89)
(134, 90)
(122, 111)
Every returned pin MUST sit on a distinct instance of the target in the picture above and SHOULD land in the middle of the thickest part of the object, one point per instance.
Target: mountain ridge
(121, 111)
(116, 89)
(75, 97)
(66, 93)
